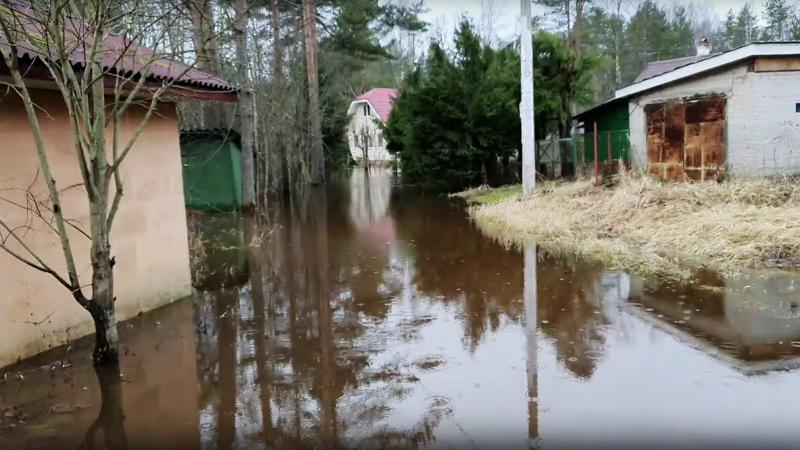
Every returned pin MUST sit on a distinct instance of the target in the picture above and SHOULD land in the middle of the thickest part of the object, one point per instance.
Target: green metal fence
(614, 146)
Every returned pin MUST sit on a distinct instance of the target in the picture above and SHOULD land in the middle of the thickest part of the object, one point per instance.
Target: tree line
(627, 36)
(300, 65)
(456, 123)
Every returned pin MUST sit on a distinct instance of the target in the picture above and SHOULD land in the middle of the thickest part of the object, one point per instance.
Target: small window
(366, 109)
(797, 107)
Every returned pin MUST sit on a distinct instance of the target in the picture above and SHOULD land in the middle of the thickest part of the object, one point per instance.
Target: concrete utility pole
(526, 106)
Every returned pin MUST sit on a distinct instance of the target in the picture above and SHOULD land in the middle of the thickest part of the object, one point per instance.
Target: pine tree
(776, 18)
(681, 36)
(746, 24)
(648, 39)
(729, 33)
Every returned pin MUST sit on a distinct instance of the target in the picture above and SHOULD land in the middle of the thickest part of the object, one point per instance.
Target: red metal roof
(381, 100)
(120, 56)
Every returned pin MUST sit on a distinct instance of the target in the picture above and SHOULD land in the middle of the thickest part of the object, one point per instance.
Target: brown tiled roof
(657, 68)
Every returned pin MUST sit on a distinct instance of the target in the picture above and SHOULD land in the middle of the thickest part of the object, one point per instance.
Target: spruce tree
(776, 18)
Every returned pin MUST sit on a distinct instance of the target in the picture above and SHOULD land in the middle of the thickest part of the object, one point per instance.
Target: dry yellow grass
(658, 229)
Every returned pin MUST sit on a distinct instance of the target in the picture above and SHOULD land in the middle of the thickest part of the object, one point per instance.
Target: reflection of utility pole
(530, 299)
(526, 106)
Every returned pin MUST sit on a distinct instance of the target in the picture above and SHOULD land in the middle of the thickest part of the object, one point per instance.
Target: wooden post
(608, 160)
(596, 163)
(526, 105)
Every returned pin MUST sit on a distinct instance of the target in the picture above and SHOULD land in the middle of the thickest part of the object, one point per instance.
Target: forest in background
(586, 49)
(456, 123)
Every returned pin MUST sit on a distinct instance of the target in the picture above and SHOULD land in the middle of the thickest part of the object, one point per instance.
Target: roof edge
(713, 62)
(364, 100)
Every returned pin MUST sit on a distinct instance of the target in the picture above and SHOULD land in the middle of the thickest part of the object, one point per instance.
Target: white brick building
(733, 113)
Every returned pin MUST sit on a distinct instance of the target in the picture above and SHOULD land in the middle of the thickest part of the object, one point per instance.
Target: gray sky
(444, 14)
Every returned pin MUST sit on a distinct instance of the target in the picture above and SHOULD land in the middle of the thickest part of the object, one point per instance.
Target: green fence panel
(618, 142)
(212, 177)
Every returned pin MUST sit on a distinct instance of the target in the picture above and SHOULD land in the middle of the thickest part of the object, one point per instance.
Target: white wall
(358, 120)
(762, 129)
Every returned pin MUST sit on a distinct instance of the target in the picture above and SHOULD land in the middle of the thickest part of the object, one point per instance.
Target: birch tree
(66, 43)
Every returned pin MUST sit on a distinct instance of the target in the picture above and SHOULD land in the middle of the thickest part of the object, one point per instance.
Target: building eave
(581, 117)
(350, 110)
(715, 62)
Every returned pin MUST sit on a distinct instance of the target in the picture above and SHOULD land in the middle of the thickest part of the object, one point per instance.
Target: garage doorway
(686, 139)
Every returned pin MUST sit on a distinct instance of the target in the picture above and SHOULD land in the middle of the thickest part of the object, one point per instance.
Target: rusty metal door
(686, 139)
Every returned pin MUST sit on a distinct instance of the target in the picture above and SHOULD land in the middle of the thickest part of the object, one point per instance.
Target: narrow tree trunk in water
(279, 94)
(101, 307)
(245, 109)
(317, 156)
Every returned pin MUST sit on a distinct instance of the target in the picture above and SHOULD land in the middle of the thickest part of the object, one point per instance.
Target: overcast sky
(444, 14)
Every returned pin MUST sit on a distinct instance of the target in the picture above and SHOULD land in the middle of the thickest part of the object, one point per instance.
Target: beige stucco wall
(149, 238)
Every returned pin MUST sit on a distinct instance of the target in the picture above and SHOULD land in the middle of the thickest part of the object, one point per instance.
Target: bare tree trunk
(245, 108)
(102, 310)
(317, 156)
(203, 35)
(279, 97)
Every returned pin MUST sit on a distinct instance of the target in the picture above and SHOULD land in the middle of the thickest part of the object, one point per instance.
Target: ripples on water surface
(370, 317)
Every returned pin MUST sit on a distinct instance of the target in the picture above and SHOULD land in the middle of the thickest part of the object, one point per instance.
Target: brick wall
(762, 128)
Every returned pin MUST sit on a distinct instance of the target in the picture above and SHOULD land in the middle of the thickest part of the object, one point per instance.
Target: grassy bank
(485, 195)
(653, 228)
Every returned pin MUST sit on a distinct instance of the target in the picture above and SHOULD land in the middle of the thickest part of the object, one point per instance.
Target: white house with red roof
(368, 113)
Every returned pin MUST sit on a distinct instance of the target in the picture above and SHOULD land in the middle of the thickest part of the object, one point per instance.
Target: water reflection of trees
(455, 263)
(571, 314)
(291, 330)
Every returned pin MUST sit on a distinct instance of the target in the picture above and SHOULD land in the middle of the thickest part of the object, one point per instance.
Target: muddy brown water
(372, 317)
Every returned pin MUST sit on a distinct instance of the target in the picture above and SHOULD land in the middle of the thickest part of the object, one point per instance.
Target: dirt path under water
(375, 318)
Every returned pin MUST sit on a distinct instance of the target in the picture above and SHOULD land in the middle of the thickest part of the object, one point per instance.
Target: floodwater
(371, 317)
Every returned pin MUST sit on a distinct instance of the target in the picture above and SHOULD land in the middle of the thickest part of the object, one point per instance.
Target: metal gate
(686, 139)
(555, 158)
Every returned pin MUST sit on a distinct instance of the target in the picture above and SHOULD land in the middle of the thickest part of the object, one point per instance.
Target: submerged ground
(371, 317)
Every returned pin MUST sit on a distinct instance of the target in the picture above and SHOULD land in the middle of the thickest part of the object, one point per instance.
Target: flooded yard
(368, 316)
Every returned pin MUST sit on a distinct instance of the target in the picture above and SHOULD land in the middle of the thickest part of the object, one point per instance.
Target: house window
(366, 109)
(797, 107)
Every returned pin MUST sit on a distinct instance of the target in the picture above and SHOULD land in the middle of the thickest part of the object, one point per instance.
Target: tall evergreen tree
(747, 24)
(777, 14)
(648, 39)
(733, 35)
(681, 36)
